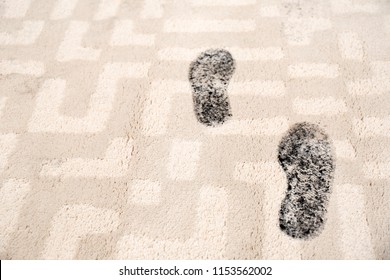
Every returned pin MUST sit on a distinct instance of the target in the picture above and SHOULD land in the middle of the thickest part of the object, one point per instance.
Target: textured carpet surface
(103, 155)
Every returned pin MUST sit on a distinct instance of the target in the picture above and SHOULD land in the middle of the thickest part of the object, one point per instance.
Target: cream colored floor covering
(101, 156)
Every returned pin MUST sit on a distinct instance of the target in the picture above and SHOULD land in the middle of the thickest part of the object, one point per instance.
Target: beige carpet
(102, 156)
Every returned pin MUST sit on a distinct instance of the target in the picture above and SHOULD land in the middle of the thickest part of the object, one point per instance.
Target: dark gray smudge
(209, 76)
(305, 154)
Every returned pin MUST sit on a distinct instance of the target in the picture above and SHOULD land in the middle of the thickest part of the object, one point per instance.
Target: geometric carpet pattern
(101, 155)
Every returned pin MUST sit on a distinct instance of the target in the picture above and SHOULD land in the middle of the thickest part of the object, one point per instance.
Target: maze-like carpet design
(103, 155)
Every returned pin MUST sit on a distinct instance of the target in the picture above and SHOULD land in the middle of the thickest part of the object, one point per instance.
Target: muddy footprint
(305, 154)
(209, 77)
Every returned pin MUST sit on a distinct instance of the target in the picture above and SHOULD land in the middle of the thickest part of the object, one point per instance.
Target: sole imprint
(305, 154)
(209, 77)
